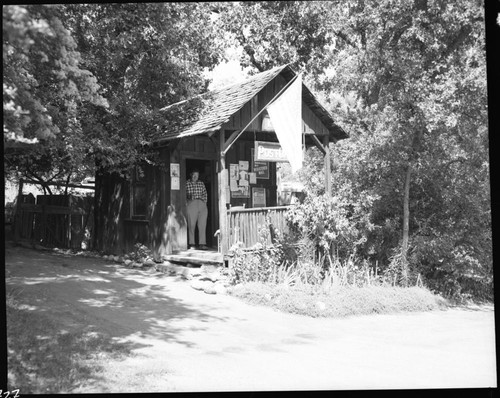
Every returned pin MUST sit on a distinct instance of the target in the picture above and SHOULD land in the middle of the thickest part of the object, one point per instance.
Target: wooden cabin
(218, 136)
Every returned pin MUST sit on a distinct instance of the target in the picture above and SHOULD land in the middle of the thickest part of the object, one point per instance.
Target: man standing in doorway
(197, 211)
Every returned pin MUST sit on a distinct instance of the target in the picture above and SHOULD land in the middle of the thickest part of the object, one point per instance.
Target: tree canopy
(44, 89)
(86, 81)
(407, 79)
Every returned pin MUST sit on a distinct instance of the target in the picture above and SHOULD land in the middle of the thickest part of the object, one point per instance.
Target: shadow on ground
(67, 315)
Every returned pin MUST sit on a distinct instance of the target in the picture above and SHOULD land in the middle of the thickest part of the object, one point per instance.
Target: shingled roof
(209, 111)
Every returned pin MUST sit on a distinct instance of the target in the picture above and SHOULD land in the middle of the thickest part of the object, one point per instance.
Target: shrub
(333, 243)
(452, 269)
(140, 253)
(334, 226)
(257, 263)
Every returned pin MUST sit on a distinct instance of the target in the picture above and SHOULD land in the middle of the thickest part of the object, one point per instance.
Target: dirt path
(181, 339)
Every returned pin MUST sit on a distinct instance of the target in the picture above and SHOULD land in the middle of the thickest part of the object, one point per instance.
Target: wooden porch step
(196, 257)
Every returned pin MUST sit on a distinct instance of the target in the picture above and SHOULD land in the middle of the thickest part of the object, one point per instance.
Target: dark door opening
(208, 177)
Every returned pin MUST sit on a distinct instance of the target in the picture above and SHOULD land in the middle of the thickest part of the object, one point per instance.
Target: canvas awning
(286, 117)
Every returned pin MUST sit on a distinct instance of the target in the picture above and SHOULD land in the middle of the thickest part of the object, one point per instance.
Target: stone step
(205, 271)
(196, 257)
(211, 279)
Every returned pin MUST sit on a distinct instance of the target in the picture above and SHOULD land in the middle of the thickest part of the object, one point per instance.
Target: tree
(408, 80)
(145, 56)
(417, 83)
(274, 33)
(44, 90)
(87, 81)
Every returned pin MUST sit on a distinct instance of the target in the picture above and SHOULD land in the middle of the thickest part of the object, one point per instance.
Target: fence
(64, 221)
(244, 224)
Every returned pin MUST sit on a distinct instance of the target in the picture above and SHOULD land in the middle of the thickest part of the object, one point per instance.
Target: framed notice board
(258, 197)
(259, 167)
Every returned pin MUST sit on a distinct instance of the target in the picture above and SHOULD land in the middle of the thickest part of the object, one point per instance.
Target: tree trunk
(17, 214)
(67, 184)
(406, 225)
(328, 183)
(406, 209)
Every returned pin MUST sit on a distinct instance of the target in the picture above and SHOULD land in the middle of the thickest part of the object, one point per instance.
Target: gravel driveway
(182, 339)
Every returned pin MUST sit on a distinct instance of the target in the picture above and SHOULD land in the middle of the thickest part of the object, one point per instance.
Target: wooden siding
(155, 213)
(111, 208)
(311, 123)
(117, 229)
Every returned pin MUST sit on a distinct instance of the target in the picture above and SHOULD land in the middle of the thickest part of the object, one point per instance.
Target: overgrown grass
(344, 288)
(339, 302)
(43, 358)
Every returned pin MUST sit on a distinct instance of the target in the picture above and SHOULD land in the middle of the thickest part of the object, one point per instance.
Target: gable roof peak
(208, 111)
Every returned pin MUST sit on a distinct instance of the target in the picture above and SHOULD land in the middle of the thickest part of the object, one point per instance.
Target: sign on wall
(175, 176)
(239, 180)
(241, 192)
(269, 151)
(260, 168)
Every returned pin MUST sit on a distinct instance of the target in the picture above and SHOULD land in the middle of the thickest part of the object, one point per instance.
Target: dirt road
(181, 339)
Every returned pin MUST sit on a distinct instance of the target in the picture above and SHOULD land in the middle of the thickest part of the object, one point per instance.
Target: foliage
(273, 33)
(349, 272)
(419, 89)
(258, 263)
(43, 83)
(88, 80)
(335, 226)
(454, 270)
(410, 86)
(146, 56)
(45, 89)
(140, 253)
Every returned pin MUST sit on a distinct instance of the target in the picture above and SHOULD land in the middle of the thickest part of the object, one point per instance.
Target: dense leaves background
(407, 80)
(87, 81)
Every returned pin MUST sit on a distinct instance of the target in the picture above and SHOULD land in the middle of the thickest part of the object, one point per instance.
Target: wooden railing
(244, 224)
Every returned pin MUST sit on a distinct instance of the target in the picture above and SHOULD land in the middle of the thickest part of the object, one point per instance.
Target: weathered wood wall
(117, 229)
(160, 215)
(111, 206)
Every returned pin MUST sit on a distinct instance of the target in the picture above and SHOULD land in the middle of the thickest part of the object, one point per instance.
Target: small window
(139, 204)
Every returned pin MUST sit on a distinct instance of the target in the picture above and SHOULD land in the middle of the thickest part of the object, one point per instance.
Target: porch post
(328, 188)
(222, 180)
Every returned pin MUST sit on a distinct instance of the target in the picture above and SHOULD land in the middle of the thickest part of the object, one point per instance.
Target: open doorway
(208, 177)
